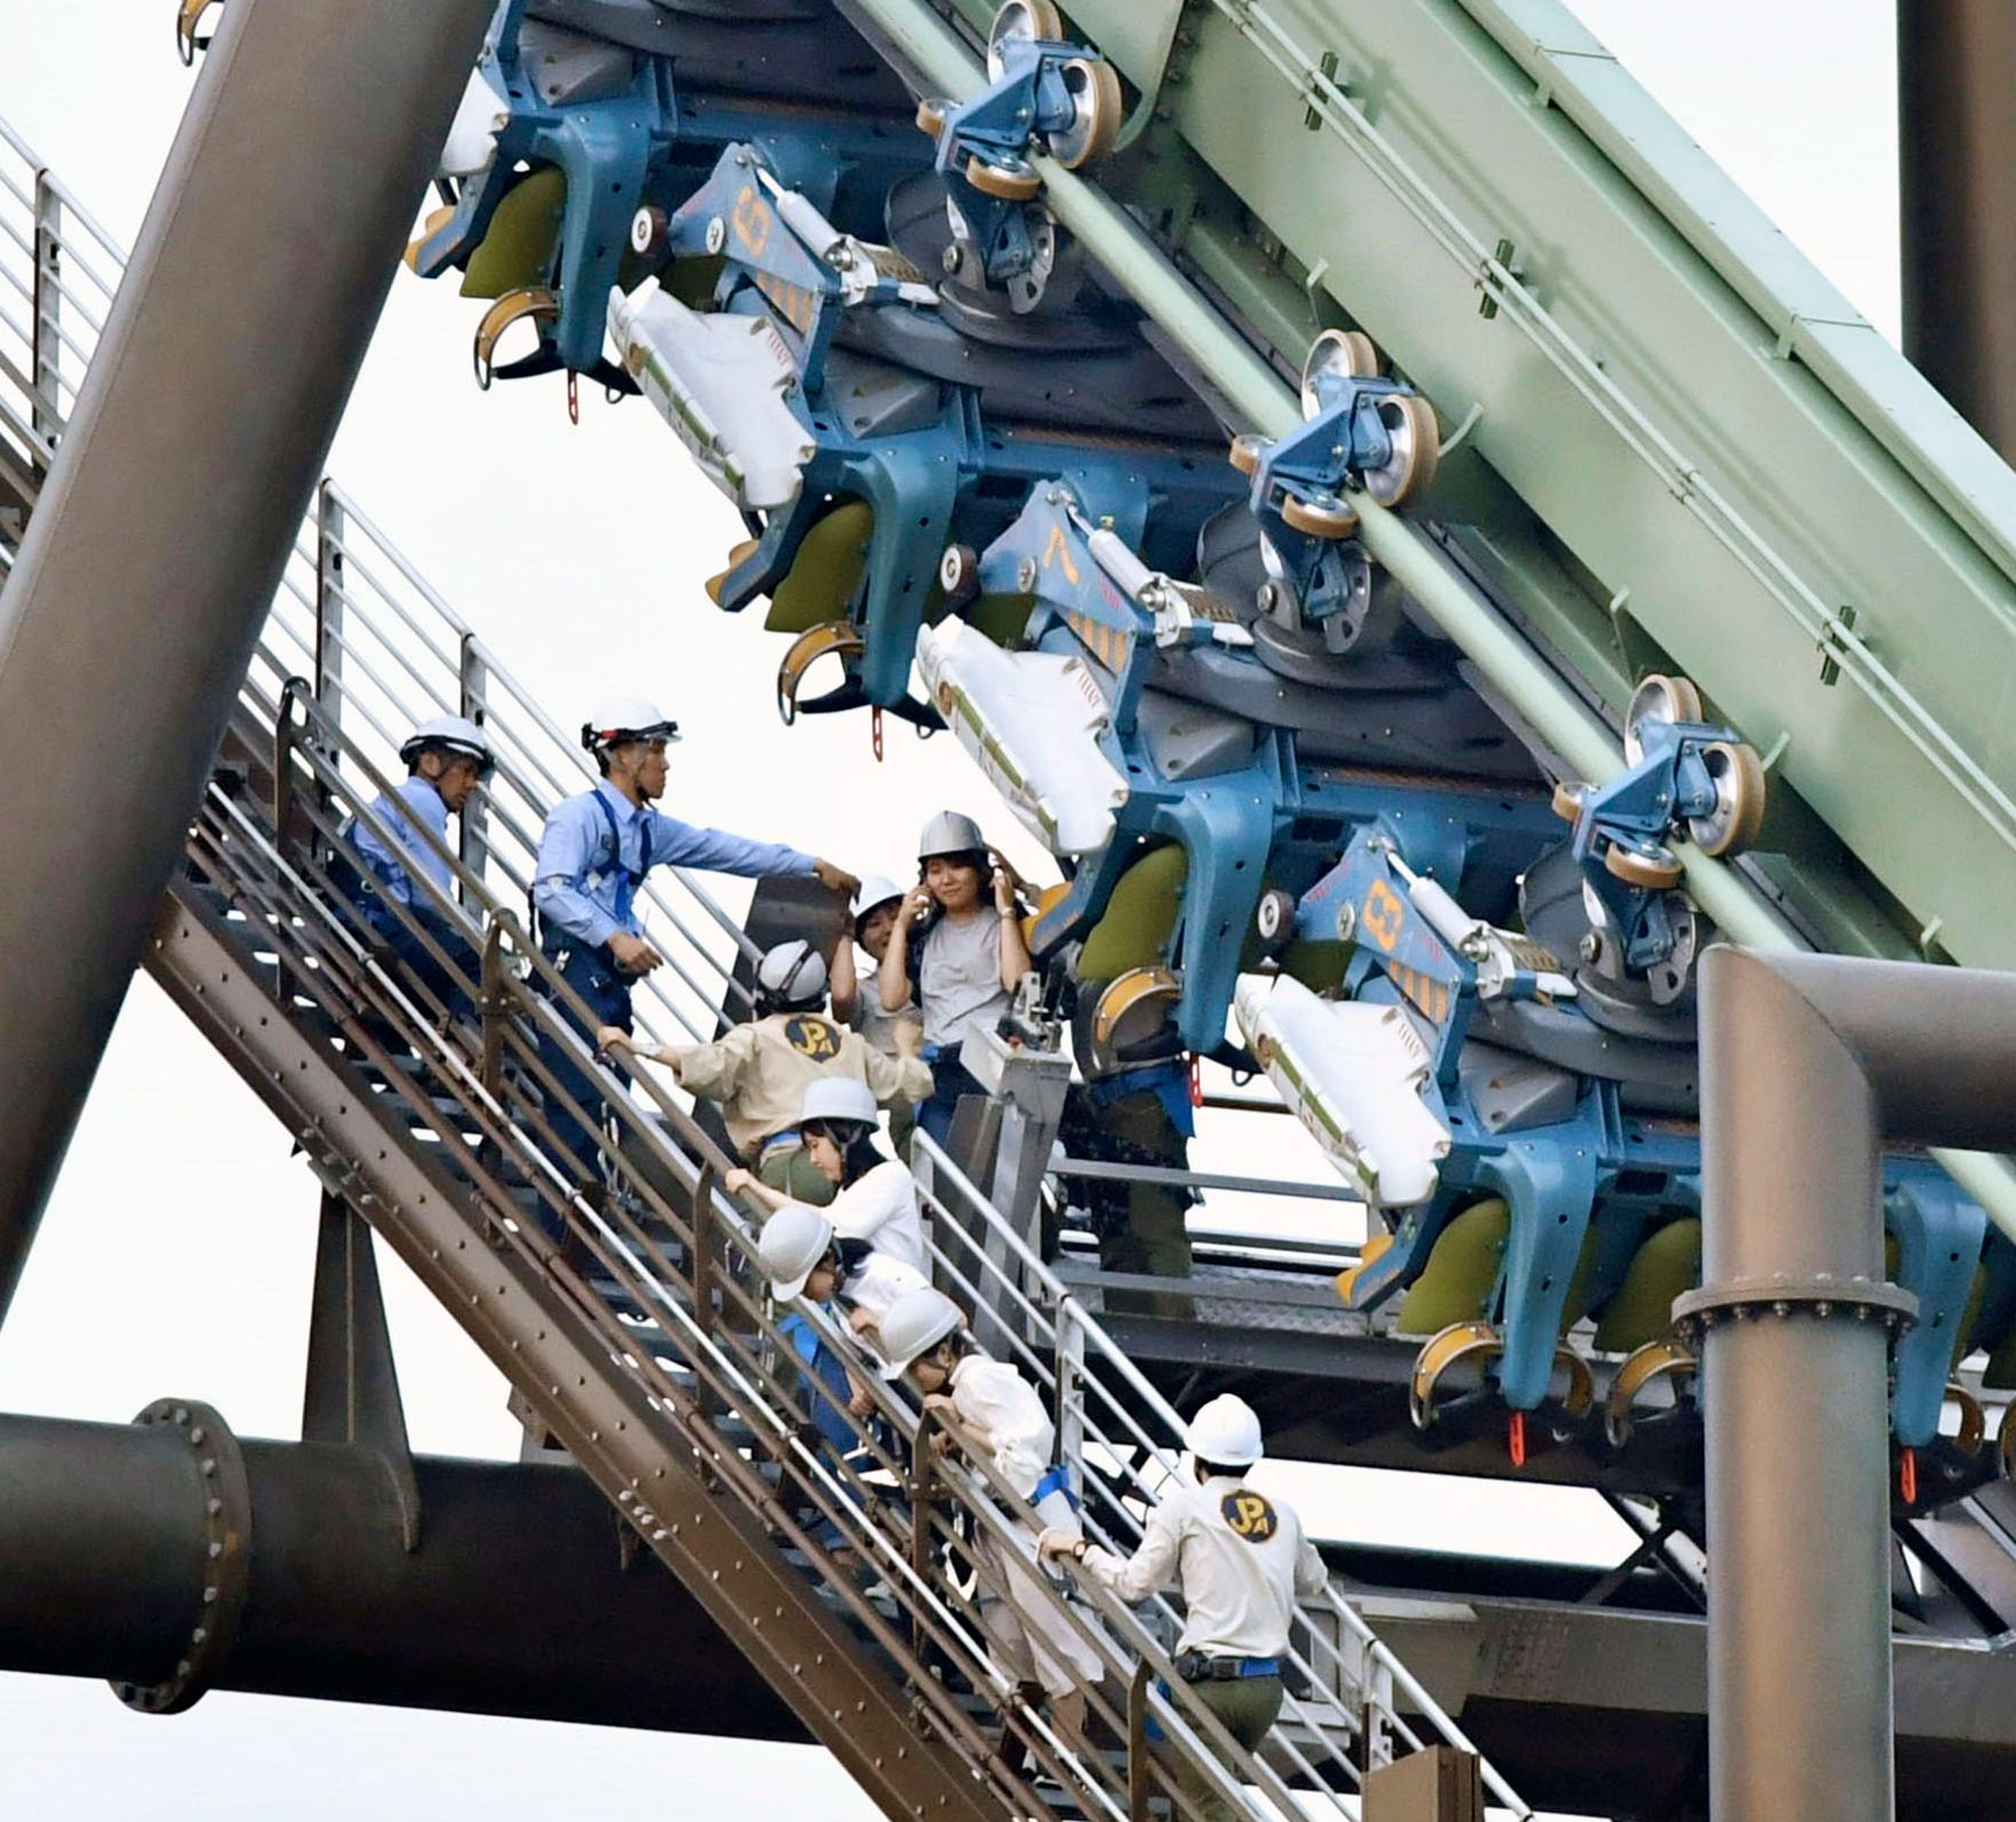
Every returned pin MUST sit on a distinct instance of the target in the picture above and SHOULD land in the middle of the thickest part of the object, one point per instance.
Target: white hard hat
(627, 718)
(950, 832)
(917, 1321)
(453, 733)
(838, 1097)
(1225, 1431)
(875, 890)
(792, 975)
(795, 1240)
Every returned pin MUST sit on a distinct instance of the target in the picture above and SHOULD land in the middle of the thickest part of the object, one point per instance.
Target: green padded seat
(1139, 918)
(1963, 1336)
(524, 234)
(1319, 966)
(1002, 618)
(1462, 1271)
(1666, 1264)
(825, 573)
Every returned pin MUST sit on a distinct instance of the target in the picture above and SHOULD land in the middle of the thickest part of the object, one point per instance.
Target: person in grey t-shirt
(962, 956)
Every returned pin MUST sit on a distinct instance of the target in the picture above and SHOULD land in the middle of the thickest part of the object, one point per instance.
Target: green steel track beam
(1256, 389)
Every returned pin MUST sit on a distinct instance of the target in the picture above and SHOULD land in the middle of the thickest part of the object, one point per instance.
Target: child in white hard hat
(924, 1338)
(807, 1258)
(868, 1196)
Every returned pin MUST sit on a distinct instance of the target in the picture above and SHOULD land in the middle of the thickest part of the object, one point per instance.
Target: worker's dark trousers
(1246, 1708)
(445, 983)
(592, 973)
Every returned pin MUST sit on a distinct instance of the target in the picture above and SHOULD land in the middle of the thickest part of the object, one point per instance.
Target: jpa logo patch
(1250, 1516)
(813, 1037)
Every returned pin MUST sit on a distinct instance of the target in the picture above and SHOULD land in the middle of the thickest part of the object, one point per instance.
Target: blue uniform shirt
(415, 802)
(583, 888)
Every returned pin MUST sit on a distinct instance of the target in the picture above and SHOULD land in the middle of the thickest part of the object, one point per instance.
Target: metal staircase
(631, 1325)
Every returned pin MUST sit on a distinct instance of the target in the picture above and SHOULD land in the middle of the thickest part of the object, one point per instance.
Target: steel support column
(1956, 147)
(1808, 1063)
(161, 535)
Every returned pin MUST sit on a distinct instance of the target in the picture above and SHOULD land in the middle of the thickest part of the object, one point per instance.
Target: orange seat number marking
(751, 220)
(1384, 915)
(1056, 549)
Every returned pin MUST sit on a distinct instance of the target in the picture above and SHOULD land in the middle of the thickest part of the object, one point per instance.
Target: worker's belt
(1200, 1666)
(1056, 1480)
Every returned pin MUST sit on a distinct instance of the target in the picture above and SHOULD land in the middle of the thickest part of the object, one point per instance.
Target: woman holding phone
(957, 947)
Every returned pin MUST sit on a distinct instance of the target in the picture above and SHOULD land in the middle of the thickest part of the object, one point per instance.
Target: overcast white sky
(181, 1229)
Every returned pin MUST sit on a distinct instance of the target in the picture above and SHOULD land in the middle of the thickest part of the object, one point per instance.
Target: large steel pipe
(1956, 147)
(516, 1602)
(200, 431)
(1808, 1063)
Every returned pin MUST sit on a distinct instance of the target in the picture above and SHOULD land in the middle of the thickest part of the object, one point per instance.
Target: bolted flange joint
(227, 1570)
(1780, 1294)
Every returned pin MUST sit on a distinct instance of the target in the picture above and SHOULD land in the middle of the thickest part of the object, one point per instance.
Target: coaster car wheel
(1343, 353)
(1656, 1360)
(1028, 21)
(1244, 454)
(1017, 182)
(931, 118)
(1332, 518)
(1660, 700)
(647, 231)
(1658, 870)
(959, 574)
(1567, 800)
(1274, 919)
(1417, 450)
(1738, 775)
(1095, 89)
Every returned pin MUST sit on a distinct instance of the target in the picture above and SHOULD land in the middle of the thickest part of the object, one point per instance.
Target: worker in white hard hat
(1241, 1559)
(759, 1073)
(924, 1338)
(593, 855)
(857, 1000)
(957, 948)
(871, 1198)
(446, 759)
